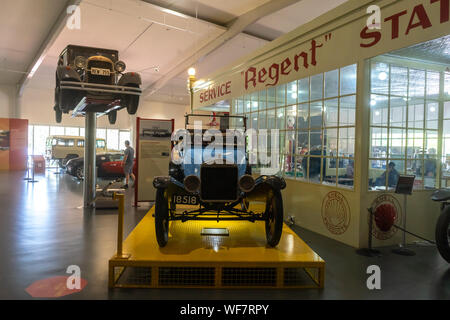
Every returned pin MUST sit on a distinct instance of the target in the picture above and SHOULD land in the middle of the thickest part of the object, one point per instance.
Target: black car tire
(130, 101)
(161, 218)
(274, 219)
(58, 114)
(79, 173)
(112, 116)
(443, 234)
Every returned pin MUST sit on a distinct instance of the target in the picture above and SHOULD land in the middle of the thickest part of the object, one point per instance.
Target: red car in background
(109, 165)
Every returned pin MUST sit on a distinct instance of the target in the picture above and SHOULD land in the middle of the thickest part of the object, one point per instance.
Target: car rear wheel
(274, 219)
(79, 173)
(131, 102)
(112, 116)
(443, 234)
(58, 114)
(161, 218)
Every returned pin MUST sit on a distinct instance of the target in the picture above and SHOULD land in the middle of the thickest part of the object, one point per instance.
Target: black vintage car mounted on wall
(218, 191)
(93, 80)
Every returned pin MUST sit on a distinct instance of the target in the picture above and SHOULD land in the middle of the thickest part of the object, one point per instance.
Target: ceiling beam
(40, 55)
(234, 28)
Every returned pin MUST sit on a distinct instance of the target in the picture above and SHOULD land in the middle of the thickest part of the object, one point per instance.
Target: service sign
(349, 38)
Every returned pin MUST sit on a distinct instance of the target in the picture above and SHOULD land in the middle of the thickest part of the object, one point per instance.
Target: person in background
(127, 163)
(392, 176)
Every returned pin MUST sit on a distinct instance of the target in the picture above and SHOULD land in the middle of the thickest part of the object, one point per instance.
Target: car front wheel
(80, 173)
(161, 218)
(274, 219)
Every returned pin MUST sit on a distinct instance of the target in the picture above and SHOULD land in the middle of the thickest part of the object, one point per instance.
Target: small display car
(219, 191)
(109, 165)
(93, 80)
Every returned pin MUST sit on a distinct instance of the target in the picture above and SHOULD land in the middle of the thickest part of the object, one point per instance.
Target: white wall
(7, 101)
(165, 111)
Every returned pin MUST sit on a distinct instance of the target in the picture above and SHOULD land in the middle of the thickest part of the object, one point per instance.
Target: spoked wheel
(274, 219)
(80, 173)
(161, 218)
(443, 234)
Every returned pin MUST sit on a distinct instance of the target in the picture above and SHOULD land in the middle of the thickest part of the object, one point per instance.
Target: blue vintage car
(216, 181)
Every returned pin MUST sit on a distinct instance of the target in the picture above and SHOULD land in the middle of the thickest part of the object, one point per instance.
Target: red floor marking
(54, 287)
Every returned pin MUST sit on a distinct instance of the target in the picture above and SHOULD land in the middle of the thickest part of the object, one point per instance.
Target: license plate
(100, 72)
(185, 199)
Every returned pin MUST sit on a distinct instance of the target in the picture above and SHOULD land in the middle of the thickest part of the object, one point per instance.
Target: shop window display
(404, 120)
(315, 117)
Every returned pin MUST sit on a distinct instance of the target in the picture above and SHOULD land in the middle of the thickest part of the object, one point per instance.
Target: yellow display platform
(241, 259)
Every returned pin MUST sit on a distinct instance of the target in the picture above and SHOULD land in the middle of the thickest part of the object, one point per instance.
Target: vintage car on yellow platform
(93, 80)
(217, 183)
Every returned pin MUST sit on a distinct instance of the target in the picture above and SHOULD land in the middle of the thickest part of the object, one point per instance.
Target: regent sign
(418, 18)
(271, 76)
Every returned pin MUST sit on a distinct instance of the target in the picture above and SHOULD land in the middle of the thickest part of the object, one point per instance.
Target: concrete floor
(43, 230)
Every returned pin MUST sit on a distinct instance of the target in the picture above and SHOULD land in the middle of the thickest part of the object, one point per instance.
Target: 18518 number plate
(185, 199)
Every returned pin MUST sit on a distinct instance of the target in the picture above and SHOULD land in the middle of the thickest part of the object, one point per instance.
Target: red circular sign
(386, 212)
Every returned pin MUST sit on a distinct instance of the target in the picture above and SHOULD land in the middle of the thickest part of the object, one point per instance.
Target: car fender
(265, 187)
(130, 78)
(67, 73)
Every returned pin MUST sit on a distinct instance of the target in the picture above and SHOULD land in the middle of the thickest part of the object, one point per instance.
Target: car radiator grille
(219, 182)
(100, 79)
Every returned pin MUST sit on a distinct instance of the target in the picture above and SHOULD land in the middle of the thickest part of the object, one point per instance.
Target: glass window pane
(271, 119)
(240, 106)
(290, 146)
(291, 118)
(254, 99)
(330, 168)
(331, 142)
(316, 120)
(289, 165)
(254, 120)
(30, 140)
(291, 94)
(262, 100)
(56, 131)
(303, 143)
(112, 141)
(72, 131)
(398, 112)
(432, 115)
(399, 81)
(40, 138)
(347, 142)
(416, 114)
(331, 112)
(316, 142)
(303, 116)
(348, 80)
(82, 132)
(262, 120)
(433, 85)
(379, 110)
(247, 104)
(346, 179)
(379, 78)
(317, 87)
(281, 118)
(397, 144)
(378, 139)
(416, 83)
(315, 169)
(347, 111)
(101, 133)
(415, 144)
(303, 90)
(447, 84)
(331, 83)
(302, 167)
(271, 94)
(281, 95)
(376, 171)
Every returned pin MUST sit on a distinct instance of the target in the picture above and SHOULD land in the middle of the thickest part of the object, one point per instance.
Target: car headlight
(80, 62)
(120, 66)
(192, 183)
(246, 183)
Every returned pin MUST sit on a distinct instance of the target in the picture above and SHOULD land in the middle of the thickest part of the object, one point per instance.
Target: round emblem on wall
(386, 212)
(336, 213)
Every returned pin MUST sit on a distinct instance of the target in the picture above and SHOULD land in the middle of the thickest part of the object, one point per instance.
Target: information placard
(405, 184)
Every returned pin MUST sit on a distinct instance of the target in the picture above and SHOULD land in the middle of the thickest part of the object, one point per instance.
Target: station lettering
(418, 18)
(215, 92)
(271, 76)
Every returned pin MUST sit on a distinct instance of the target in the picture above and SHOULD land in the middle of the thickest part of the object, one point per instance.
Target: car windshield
(86, 52)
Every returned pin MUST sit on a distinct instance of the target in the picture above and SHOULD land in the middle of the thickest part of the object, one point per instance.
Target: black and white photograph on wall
(4, 140)
(154, 129)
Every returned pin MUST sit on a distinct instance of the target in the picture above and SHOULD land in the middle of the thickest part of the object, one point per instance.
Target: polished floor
(43, 230)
